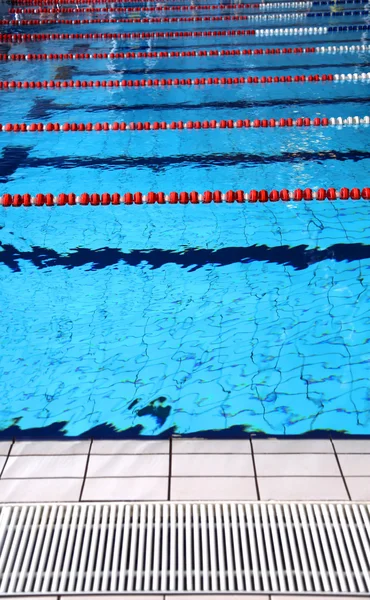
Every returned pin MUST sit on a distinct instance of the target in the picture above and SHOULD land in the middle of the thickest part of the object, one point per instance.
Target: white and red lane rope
(189, 53)
(287, 31)
(197, 82)
(192, 19)
(185, 125)
(78, 8)
(194, 197)
(142, 4)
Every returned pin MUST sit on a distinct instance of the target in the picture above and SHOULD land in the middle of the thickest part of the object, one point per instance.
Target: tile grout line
(169, 469)
(86, 469)
(7, 458)
(340, 469)
(255, 470)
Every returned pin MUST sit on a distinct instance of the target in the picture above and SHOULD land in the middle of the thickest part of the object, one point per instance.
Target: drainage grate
(185, 547)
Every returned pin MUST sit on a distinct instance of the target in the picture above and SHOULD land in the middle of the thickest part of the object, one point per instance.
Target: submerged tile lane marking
(159, 164)
(43, 108)
(181, 125)
(190, 53)
(298, 257)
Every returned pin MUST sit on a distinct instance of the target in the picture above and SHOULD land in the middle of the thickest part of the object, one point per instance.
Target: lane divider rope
(231, 196)
(170, 8)
(146, 9)
(181, 125)
(189, 53)
(291, 31)
(197, 19)
(143, 4)
(14, 85)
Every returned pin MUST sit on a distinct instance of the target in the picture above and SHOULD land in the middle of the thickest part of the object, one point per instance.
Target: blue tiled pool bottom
(216, 320)
(154, 320)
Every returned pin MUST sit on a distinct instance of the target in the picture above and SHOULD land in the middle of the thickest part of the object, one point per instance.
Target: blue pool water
(153, 320)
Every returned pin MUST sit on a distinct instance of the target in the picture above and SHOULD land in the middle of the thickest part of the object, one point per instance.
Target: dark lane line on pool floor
(15, 157)
(44, 108)
(241, 69)
(298, 257)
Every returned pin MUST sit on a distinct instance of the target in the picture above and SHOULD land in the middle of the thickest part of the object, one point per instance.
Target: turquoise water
(153, 320)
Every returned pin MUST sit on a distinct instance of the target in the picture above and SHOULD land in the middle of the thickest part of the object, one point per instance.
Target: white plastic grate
(185, 547)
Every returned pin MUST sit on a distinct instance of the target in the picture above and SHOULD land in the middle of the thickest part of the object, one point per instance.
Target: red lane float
(134, 9)
(187, 53)
(181, 125)
(40, 37)
(197, 19)
(231, 196)
(197, 82)
(144, 3)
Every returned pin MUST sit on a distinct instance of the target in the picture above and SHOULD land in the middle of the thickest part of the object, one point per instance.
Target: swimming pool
(149, 320)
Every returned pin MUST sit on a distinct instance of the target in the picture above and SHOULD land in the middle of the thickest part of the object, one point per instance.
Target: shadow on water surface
(57, 431)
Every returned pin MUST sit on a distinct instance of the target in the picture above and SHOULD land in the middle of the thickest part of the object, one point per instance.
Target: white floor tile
(109, 597)
(302, 488)
(212, 465)
(130, 447)
(304, 597)
(269, 465)
(355, 464)
(4, 448)
(45, 466)
(359, 488)
(40, 490)
(32, 597)
(352, 446)
(129, 465)
(197, 446)
(220, 597)
(213, 488)
(280, 446)
(50, 447)
(126, 488)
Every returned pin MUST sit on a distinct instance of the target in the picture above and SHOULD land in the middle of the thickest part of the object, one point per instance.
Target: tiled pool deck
(185, 469)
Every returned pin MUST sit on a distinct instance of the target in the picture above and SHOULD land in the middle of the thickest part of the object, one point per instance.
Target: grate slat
(14, 544)
(253, 551)
(334, 550)
(311, 558)
(301, 549)
(269, 551)
(285, 549)
(196, 534)
(149, 549)
(156, 554)
(354, 555)
(236, 548)
(164, 561)
(204, 554)
(277, 549)
(261, 547)
(188, 548)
